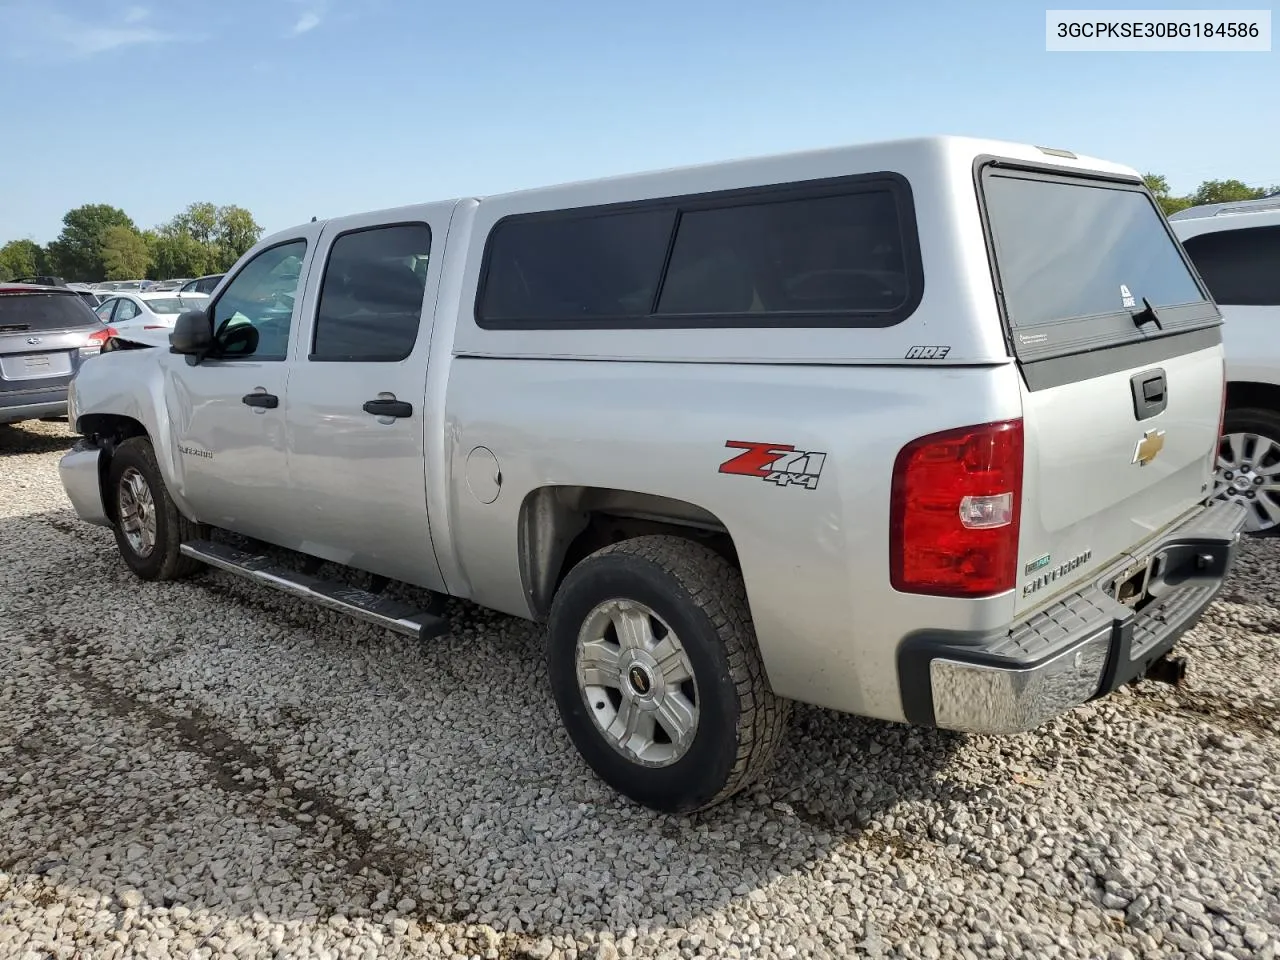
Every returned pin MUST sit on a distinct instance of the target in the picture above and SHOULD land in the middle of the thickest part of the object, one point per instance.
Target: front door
(227, 413)
(355, 419)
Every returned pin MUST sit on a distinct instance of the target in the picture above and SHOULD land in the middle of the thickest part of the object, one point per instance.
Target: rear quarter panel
(815, 562)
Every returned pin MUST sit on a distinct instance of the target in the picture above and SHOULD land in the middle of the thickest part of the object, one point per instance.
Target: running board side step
(370, 607)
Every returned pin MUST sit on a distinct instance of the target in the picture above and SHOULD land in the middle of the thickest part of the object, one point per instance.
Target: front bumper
(81, 478)
(1080, 647)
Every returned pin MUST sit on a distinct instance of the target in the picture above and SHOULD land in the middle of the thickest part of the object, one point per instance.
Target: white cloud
(311, 13)
(44, 30)
(308, 21)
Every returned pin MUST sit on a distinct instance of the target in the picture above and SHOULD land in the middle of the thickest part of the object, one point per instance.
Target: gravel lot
(208, 769)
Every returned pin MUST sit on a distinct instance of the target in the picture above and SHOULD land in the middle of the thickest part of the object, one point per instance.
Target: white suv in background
(1236, 248)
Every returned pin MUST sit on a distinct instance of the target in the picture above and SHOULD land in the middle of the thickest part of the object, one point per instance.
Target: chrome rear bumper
(1080, 647)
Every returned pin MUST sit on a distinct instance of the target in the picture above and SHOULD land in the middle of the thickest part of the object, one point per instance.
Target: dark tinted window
(371, 298)
(1240, 267)
(1075, 249)
(819, 252)
(43, 312)
(576, 267)
(841, 254)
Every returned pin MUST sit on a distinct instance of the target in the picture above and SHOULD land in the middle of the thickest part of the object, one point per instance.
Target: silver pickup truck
(922, 431)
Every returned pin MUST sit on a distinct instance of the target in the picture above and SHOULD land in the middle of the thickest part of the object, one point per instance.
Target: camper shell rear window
(1084, 263)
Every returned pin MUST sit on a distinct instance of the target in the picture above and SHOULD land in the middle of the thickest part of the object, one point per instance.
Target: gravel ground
(208, 769)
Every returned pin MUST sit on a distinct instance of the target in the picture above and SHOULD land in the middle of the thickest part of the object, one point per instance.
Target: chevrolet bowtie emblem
(1152, 443)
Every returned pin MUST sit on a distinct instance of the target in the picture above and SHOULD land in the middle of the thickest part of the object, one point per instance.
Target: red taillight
(100, 336)
(957, 502)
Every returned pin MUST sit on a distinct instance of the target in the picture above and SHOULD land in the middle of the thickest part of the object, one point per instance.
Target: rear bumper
(78, 471)
(1080, 647)
(32, 405)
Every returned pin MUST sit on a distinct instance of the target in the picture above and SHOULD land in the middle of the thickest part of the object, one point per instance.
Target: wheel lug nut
(1229, 475)
(1257, 480)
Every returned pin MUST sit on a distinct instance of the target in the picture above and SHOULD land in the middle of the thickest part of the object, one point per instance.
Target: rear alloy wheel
(657, 675)
(1248, 470)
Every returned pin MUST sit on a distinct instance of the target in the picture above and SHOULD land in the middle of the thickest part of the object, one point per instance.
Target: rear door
(44, 334)
(355, 423)
(1122, 366)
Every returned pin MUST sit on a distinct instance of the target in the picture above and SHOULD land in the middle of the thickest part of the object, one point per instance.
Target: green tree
(77, 253)
(124, 253)
(177, 255)
(1159, 186)
(200, 221)
(1228, 191)
(22, 258)
(236, 232)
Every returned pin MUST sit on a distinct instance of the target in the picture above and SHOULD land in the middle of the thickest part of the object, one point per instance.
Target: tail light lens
(954, 519)
(96, 340)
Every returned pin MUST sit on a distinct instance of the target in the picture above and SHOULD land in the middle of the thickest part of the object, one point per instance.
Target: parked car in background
(205, 284)
(84, 291)
(161, 285)
(148, 316)
(46, 332)
(1236, 249)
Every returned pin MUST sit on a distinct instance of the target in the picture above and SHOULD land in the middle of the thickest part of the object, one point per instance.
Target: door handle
(268, 400)
(1150, 393)
(388, 408)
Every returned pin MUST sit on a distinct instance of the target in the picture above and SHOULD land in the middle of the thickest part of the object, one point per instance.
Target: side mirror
(192, 334)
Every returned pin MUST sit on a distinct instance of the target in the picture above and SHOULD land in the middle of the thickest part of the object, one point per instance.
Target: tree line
(1210, 191)
(101, 242)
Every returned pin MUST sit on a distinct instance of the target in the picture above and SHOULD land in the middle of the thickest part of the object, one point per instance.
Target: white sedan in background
(147, 317)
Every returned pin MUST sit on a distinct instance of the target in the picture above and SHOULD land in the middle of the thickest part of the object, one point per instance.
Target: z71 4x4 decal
(779, 463)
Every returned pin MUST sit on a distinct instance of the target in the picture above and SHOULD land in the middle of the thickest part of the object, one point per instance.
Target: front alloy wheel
(137, 512)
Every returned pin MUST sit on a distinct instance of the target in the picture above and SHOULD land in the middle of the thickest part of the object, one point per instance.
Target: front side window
(371, 297)
(253, 315)
(104, 311)
(1240, 267)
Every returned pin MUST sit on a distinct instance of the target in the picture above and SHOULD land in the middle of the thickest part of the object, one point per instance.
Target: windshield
(167, 305)
(42, 312)
(1069, 250)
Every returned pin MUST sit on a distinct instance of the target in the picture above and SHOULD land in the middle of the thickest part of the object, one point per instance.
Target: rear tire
(1249, 447)
(672, 710)
(148, 527)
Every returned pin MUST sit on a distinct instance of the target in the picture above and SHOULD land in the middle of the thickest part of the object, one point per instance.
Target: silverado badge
(1152, 443)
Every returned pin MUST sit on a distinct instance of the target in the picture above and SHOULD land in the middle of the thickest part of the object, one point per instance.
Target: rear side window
(822, 253)
(1077, 259)
(42, 312)
(1240, 267)
(371, 298)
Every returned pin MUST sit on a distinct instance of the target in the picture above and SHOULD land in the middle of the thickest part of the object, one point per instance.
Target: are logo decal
(779, 463)
(928, 352)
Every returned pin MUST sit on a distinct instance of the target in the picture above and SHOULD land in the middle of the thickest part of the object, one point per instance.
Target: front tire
(148, 527)
(1248, 469)
(657, 676)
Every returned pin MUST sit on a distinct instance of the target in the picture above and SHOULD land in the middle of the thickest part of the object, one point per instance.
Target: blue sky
(295, 108)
